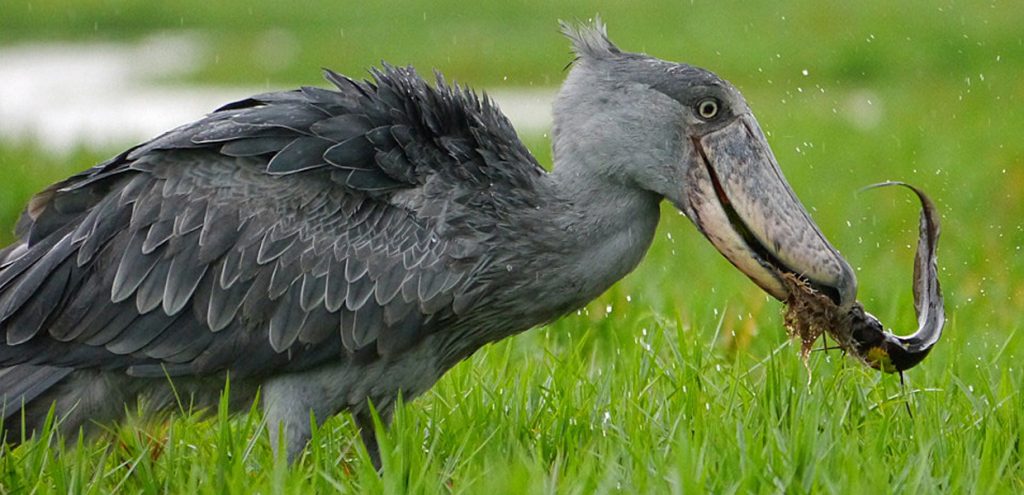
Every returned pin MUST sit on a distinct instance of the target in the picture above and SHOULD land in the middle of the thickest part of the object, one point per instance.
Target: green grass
(688, 383)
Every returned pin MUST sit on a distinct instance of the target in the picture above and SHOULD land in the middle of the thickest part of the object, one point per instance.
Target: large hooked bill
(809, 313)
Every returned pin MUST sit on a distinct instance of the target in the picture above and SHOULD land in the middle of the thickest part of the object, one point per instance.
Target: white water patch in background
(863, 109)
(103, 96)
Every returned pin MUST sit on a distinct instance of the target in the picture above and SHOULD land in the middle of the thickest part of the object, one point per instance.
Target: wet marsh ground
(680, 378)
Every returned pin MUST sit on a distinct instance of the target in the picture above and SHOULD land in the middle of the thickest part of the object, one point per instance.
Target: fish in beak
(741, 202)
(809, 314)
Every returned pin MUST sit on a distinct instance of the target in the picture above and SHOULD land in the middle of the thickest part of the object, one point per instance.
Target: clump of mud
(809, 314)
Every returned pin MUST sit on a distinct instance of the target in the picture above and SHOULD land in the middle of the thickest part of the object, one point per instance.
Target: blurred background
(850, 93)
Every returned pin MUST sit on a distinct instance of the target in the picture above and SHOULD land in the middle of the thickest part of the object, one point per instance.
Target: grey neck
(593, 207)
(587, 234)
(605, 227)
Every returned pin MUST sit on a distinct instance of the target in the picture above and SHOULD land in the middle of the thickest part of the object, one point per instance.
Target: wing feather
(219, 233)
(150, 294)
(142, 330)
(312, 292)
(224, 305)
(29, 282)
(28, 321)
(304, 153)
(287, 321)
(184, 274)
(336, 291)
(134, 267)
(277, 232)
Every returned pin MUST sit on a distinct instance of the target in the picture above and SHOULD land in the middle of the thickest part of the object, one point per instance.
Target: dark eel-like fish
(809, 313)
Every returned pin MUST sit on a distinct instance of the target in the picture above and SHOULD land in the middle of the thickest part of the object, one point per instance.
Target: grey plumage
(21, 384)
(341, 246)
(272, 216)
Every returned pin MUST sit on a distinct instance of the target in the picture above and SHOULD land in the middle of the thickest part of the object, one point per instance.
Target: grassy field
(680, 379)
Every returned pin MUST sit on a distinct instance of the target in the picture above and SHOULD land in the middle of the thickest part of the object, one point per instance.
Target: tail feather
(21, 384)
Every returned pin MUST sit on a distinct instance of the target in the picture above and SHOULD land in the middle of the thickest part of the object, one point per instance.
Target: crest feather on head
(590, 39)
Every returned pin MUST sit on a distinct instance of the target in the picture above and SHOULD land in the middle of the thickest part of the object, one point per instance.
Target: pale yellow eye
(707, 109)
